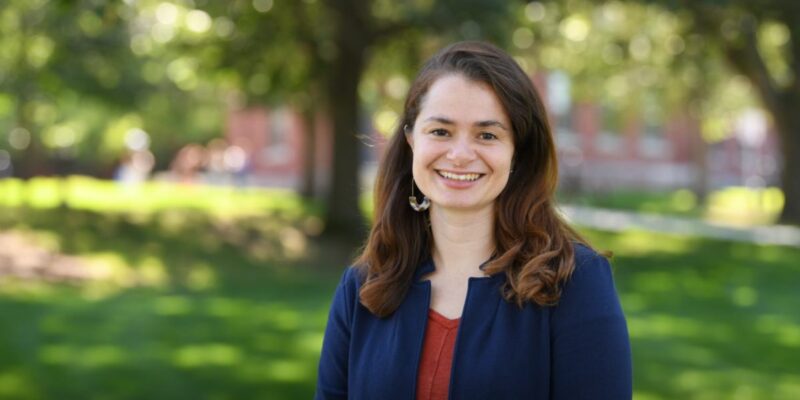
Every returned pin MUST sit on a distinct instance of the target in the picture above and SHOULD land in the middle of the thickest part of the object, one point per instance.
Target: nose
(461, 152)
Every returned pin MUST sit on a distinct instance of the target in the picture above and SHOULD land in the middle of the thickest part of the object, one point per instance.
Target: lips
(460, 177)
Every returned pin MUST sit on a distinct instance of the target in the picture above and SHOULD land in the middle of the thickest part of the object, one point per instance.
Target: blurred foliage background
(125, 274)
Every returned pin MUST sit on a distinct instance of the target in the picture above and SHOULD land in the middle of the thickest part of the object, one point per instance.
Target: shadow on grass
(708, 319)
(238, 312)
(241, 304)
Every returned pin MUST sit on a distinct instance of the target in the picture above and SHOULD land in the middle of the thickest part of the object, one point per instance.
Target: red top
(433, 379)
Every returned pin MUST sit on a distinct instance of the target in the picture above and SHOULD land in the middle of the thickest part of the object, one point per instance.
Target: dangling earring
(412, 201)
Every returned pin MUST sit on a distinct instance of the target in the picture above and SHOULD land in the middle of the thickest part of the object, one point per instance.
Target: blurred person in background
(188, 163)
(470, 285)
(135, 167)
(216, 170)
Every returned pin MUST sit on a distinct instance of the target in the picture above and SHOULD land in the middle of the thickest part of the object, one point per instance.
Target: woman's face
(462, 144)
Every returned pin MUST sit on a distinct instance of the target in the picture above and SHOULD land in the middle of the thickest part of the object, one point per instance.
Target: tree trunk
(789, 127)
(343, 217)
(307, 186)
(33, 161)
(343, 213)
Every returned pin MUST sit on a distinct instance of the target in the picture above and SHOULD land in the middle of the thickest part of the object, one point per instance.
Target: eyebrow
(481, 124)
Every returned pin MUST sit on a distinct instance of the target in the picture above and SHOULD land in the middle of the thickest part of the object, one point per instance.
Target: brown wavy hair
(533, 245)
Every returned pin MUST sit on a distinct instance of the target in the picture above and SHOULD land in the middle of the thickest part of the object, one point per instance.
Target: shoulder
(347, 291)
(585, 254)
(591, 287)
(589, 266)
(351, 280)
(353, 277)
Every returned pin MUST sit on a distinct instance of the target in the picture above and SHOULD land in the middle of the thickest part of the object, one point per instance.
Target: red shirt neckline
(440, 319)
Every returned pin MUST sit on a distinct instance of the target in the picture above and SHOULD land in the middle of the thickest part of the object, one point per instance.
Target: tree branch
(746, 57)
(741, 51)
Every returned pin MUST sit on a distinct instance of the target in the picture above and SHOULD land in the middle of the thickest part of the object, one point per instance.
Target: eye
(488, 136)
(439, 132)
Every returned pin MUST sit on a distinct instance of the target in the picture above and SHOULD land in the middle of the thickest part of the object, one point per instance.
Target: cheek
(501, 160)
(425, 153)
(417, 164)
(423, 158)
(419, 169)
(415, 168)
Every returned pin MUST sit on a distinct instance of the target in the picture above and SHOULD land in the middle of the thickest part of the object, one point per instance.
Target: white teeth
(459, 177)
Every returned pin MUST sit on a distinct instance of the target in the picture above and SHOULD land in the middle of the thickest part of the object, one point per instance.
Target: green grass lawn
(733, 205)
(201, 302)
(708, 319)
(185, 314)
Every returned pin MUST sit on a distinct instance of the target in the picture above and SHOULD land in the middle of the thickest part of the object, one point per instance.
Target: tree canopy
(76, 76)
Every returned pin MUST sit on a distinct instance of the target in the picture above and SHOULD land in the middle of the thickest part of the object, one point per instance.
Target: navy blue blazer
(578, 349)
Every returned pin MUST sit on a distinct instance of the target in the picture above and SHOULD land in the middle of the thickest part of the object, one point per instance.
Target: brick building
(595, 155)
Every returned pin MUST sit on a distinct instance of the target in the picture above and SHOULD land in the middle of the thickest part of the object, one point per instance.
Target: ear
(409, 136)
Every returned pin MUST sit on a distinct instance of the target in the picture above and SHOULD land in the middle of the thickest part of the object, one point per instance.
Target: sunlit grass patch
(745, 206)
(740, 206)
(86, 193)
(17, 383)
(678, 202)
(713, 319)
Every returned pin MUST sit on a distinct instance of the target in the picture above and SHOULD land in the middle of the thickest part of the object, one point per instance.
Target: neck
(462, 241)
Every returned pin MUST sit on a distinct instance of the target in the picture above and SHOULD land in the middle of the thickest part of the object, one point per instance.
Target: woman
(470, 286)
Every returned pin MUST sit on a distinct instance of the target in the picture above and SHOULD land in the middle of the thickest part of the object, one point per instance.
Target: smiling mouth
(471, 177)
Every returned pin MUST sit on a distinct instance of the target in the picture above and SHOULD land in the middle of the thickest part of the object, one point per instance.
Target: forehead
(462, 100)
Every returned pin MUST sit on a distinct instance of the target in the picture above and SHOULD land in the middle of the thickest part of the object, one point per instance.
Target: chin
(460, 205)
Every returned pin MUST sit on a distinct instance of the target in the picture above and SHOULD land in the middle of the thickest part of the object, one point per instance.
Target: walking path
(617, 220)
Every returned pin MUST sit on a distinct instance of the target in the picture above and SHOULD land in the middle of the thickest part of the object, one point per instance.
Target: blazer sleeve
(591, 355)
(333, 363)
